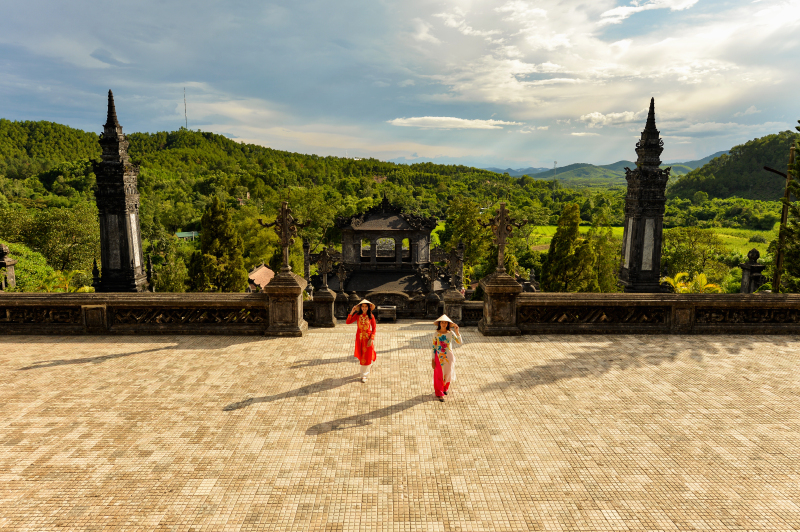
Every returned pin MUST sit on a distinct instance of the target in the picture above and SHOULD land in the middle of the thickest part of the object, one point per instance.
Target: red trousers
(439, 386)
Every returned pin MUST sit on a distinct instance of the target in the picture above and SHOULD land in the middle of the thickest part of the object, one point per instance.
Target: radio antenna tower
(185, 116)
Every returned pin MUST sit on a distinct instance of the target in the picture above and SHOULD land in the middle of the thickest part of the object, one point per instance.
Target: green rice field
(736, 239)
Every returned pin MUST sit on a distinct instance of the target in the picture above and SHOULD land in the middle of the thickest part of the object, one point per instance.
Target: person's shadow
(360, 420)
(321, 386)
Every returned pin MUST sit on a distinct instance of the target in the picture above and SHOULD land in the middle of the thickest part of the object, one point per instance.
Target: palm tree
(681, 284)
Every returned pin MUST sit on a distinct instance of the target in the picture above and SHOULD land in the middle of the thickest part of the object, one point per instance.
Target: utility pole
(776, 283)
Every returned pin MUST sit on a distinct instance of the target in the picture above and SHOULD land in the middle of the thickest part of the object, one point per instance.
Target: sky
(505, 83)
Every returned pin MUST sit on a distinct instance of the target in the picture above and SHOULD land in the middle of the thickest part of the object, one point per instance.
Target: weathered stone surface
(644, 213)
(286, 305)
(324, 299)
(453, 304)
(500, 305)
(121, 260)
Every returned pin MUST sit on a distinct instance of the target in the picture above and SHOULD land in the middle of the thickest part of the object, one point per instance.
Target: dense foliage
(47, 201)
(741, 173)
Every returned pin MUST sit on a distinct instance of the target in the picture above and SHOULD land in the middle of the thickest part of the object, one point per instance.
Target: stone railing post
(500, 302)
(752, 278)
(95, 318)
(285, 292)
(453, 304)
(500, 305)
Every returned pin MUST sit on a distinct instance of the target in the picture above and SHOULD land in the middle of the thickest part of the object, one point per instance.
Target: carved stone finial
(286, 228)
(753, 255)
(502, 225)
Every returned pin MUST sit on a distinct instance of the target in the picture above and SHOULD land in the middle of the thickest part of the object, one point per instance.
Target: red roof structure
(259, 277)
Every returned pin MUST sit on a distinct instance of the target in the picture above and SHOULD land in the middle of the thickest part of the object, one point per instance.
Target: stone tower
(644, 213)
(122, 262)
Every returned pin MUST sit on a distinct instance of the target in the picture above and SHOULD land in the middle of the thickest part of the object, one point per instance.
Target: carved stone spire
(644, 212)
(650, 145)
(122, 262)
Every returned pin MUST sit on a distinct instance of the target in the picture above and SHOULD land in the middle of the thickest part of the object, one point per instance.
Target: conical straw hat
(444, 317)
(370, 303)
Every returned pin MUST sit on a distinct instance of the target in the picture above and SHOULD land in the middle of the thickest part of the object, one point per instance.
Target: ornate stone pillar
(500, 303)
(285, 290)
(10, 279)
(644, 213)
(121, 258)
(324, 298)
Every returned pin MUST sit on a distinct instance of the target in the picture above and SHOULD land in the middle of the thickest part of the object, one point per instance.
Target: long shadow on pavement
(360, 420)
(321, 386)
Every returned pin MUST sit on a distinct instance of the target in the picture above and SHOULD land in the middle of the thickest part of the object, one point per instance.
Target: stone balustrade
(536, 313)
(560, 313)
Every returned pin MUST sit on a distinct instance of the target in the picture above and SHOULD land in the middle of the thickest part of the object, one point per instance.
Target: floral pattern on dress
(440, 345)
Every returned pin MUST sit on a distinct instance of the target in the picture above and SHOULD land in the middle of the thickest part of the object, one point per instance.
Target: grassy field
(736, 239)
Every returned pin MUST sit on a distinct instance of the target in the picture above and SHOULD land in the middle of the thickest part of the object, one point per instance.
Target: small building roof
(261, 275)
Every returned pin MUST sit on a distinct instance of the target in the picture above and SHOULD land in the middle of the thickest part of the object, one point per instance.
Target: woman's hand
(370, 342)
(353, 310)
(455, 328)
(433, 363)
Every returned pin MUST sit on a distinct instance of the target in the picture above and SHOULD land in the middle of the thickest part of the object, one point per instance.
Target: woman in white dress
(443, 361)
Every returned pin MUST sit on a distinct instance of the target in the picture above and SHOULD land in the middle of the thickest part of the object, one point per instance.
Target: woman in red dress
(365, 335)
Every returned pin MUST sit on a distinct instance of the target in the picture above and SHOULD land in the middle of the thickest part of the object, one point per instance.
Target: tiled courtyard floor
(539, 433)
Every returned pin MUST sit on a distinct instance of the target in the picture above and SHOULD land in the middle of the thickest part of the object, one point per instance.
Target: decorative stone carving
(122, 263)
(644, 213)
(286, 288)
(501, 290)
(502, 225)
(9, 280)
(324, 298)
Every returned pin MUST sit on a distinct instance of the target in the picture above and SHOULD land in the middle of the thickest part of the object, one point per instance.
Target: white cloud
(618, 14)
(423, 32)
(584, 134)
(407, 83)
(749, 111)
(456, 20)
(530, 129)
(597, 119)
(447, 122)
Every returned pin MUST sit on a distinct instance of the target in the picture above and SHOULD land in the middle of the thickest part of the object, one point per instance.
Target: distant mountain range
(584, 174)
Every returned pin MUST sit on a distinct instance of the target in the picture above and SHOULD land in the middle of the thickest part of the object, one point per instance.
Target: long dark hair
(447, 322)
(369, 311)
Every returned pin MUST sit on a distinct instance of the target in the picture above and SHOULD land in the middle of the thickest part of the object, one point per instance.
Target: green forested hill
(27, 148)
(741, 172)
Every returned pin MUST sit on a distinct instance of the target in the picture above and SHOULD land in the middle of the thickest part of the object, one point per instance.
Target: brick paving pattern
(539, 433)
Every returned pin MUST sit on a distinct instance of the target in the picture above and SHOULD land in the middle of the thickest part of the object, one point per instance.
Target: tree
(218, 266)
(681, 284)
(568, 263)
(790, 279)
(69, 238)
(691, 249)
(604, 274)
(462, 226)
(169, 269)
